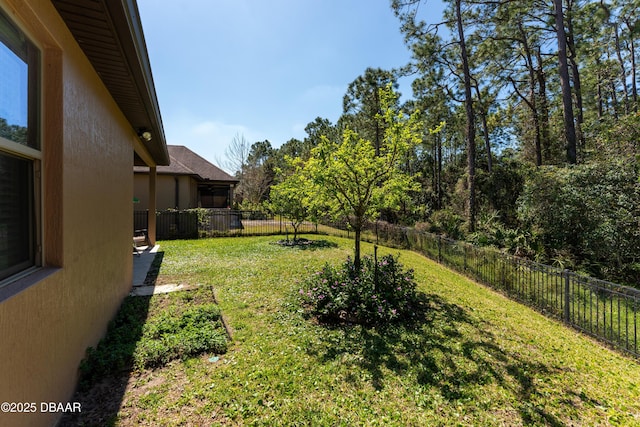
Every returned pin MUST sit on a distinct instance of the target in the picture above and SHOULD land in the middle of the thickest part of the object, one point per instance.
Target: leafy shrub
(587, 214)
(447, 222)
(378, 293)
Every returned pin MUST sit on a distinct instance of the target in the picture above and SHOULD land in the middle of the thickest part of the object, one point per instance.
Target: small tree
(353, 181)
(293, 196)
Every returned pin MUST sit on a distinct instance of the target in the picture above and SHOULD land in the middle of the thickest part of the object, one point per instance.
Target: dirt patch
(126, 400)
(100, 404)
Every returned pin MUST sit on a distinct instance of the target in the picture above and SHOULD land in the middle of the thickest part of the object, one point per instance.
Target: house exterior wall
(141, 191)
(166, 192)
(185, 193)
(187, 189)
(193, 193)
(87, 191)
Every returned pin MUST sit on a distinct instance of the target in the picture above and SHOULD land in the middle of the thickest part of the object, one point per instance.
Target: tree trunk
(612, 90)
(543, 112)
(634, 86)
(485, 129)
(487, 143)
(439, 172)
(534, 107)
(632, 54)
(377, 142)
(575, 73)
(565, 84)
(532, 95)
(623, 72)
(434, 168)
(471, 128)
(599, 89)
(356, 251)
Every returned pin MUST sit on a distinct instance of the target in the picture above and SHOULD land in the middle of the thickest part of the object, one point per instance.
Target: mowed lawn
(475, 358)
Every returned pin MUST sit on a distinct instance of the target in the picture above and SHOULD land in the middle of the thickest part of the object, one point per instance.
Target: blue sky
(263, 69)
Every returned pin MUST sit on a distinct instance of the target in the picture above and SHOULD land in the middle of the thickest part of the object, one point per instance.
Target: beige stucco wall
(87, 211)
(166, 192)
(141, 191)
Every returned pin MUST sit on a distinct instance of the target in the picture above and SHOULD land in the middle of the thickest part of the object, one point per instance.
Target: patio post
(151, 220)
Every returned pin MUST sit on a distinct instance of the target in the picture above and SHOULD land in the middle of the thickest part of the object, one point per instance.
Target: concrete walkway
(142, 263)
(141, 266)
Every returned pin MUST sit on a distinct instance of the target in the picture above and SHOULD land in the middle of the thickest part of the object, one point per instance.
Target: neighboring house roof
(186, 162)
(110, 34)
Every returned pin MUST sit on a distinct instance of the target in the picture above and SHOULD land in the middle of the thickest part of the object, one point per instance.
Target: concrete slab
(153, 290)
(142, 263)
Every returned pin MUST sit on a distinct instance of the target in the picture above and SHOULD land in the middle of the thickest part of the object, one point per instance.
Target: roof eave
(138, 101)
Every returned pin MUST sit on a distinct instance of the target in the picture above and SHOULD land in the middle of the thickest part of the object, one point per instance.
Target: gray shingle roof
(186, 162)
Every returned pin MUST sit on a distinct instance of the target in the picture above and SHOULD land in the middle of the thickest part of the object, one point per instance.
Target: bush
(447, 222)
(379, 293)
(588, 214)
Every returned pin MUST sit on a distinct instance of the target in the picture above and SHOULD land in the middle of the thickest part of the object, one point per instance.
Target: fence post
(377, 237)
(464, 250)
(567, 297)
(439, 249)
(375, 264)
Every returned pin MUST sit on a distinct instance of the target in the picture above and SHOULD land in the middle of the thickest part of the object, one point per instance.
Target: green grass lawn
(476, 358)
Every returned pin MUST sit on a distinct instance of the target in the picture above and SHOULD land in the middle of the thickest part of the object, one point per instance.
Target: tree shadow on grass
(446, 349)
(306, 244)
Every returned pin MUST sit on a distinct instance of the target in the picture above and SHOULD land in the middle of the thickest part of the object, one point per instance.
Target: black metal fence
(197, 223)
(605, 310)
(140, 220)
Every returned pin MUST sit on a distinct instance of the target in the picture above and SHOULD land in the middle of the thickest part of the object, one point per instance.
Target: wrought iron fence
(224, 222)
(197, 223)
(140, 220)
(602, 309)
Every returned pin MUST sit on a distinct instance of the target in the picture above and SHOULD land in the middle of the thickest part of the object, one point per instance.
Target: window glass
(19, 81)
(16, 215)
(19, 150)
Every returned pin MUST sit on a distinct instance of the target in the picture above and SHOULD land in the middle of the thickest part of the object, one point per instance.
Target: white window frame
(35, 156)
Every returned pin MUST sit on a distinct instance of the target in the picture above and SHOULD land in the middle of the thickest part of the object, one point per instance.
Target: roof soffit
(110, 34)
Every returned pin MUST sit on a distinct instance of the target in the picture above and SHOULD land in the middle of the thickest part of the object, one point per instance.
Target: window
(20, 154)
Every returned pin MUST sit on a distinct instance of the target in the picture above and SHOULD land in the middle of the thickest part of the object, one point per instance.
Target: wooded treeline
(530, 130)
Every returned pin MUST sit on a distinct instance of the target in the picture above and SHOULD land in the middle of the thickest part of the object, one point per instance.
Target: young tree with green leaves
(354, 182)
(293, 196)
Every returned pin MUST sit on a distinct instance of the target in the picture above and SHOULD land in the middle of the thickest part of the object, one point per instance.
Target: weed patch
(172, 336)
(182, 324)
